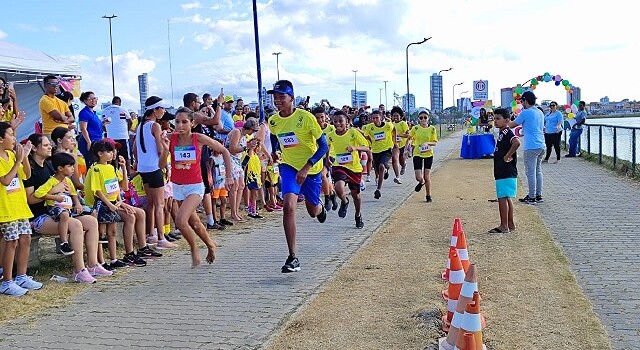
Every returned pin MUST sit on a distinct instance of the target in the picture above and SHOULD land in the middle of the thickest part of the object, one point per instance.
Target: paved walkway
(239, 302)
(594, 217)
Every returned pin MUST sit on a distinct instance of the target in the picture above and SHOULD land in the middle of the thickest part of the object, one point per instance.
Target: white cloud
(3, 35)
(191, 5)
(52, 28)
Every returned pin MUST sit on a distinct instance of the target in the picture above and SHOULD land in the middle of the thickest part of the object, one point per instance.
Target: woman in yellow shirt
(423, 137)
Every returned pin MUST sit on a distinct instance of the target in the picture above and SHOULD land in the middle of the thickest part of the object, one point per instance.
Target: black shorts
(349, 177)
(420, 163)
(206, 177)
(381, 158)
(154, 179)
(124, 149)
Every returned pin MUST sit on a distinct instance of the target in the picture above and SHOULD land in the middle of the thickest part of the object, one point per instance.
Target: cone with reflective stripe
(445, 273)
(461, 247)
(466, 296)
(471, 323)
(457, 228)
(456, 279)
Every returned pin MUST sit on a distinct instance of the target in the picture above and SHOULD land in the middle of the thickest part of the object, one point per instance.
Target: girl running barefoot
(185, 148)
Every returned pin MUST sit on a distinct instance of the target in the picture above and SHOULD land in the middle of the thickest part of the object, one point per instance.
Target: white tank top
(147, 161)
(267, 138)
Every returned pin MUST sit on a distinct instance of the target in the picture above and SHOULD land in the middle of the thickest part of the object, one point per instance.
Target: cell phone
(10, 85)
(308, 98)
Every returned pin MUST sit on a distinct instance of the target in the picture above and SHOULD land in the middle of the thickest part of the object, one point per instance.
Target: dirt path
(388, 295)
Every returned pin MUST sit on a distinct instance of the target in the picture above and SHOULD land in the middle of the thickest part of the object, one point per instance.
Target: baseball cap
(528, 95)
(228, 98)
(113, 142)
(282, 87)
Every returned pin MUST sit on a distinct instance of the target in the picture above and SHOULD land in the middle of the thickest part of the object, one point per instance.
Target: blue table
(477, 146)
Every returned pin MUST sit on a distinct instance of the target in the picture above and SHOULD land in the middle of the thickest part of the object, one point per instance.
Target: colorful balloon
(574, 108)
(558, 77)
(565, 82)
(513, 103)
(571, 116)
(547, 78)
(557, 83)
(519, 91)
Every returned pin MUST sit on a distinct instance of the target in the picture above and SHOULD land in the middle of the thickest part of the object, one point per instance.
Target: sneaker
(147, 252)
(322, 217)
(545, 161)
(300, 198)
(118, 264)
(215, 226)
(397, 180)
(169, 238)
(174, 236)
(527, 200)
(58, 242)
(342, 212)
(334, 201)
(1, 272)
(368, 178)
(359, 222)
(255, 216)
(153, 240)
(226, 222)
(200, 208)
(362, 186)
(98, 270)
(134, 260)
(557, 161)
(103, 240)
(570, 155)
(327, 202)
(402, 170)
(418, 187)
(539, 199)
(164, 244)
(291, 265)
(377, 194)
(429, 199)
(386, 174)
(277, 208)
(84, 277)
(27, 282)
(108, 267)
(14, 290)
(176, 233)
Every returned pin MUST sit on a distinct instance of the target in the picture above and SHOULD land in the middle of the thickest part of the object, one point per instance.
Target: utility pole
(113, 80)
(386, 102)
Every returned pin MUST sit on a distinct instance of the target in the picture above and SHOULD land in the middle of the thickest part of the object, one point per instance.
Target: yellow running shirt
(297, 135)
(401, 128)
(104, 178)
(381, 136)
(13, 198)
(339, 144)
(420, 136)
(329, 129)
(47, 186)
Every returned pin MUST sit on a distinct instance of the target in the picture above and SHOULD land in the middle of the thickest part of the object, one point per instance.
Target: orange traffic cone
(471, 323)
(452, 293)
(445, 273)
(457, 228)
(461, 247)
(466, 295)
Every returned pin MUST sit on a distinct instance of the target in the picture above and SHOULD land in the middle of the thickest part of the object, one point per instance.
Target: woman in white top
(151, 157)
(237, 145)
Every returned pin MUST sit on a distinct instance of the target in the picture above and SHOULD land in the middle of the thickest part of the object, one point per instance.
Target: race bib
(112, 186)
(345, 158)
(425, 148)
(184, 154)
(221, 169)
(379, 136)
(276, 169)
(14, 185)
(288, 140)
(398, 138)
(66, 203)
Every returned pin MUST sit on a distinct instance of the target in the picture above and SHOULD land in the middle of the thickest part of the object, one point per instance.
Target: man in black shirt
(505, 171)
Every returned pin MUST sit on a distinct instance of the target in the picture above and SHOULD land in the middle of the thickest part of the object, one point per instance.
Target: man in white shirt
(118, 125)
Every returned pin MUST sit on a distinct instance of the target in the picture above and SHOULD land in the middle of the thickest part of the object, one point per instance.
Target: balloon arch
(516, 104)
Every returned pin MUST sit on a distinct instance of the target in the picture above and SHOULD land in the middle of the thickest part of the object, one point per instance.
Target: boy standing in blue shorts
(297, 134)
(505, 171)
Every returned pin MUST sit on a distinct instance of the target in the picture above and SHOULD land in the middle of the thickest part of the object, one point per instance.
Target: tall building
(576, 96)
(412, 103)
(464, 104)
(436, 93)
(358, 99)
(143, 89)
(267, 100)
(506, 97)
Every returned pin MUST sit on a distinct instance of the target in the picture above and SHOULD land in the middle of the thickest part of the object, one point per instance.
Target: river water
(624, 137)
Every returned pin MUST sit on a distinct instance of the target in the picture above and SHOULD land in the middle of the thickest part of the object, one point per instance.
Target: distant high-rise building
(436, 93)
(464, 104)
(604, 100)
(143, 89)
(506, 97)
(358, 99)
(576, 96)
(412, 103)
(267, 99)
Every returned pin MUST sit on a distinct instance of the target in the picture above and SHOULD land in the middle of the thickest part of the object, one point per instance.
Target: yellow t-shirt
(254, 169)
(13, 198)
(138, 186)
(401, 128)
(48, 104)
(339, 144)
(419, 137)
(47, 186)
(329, 129)
(297, 135)
(106, 179)
(381, 136)
(237, 118)
(8, 114)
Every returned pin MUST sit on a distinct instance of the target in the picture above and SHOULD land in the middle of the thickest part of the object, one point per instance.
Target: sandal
(497, 230)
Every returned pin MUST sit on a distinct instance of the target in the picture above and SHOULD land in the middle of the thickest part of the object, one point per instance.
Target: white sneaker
(27, 282)
(164, 244)
(397, 180)
(368, 178)
(12, 289)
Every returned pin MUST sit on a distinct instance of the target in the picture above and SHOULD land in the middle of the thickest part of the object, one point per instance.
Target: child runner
(61, 205)
(382, 137)
(14, 213)
(347, 170)
(423, 138)
(330, 201)
(505, 171)
(402, 133)
(185, 148)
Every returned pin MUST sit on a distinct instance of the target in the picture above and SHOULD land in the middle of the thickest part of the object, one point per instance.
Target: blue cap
(283, 87)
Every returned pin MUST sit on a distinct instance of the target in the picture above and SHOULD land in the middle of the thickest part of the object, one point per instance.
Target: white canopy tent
(25, 68)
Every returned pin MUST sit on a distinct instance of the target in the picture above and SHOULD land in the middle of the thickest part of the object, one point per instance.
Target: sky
(323, 41)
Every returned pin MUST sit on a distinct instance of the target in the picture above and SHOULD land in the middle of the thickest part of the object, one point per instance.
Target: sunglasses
(553, 106)
(423, 118)
(53, 84)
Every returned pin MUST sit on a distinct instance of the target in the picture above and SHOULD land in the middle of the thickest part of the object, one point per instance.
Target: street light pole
(407, 57)
(386, 102)
(277, 54)
(256, 39)
(113, 80)
(355, 87)
(380, 95)
(453, 94)
(442, 100)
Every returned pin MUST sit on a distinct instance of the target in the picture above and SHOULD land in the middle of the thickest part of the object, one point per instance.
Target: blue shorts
(507, 188)
(310, 188)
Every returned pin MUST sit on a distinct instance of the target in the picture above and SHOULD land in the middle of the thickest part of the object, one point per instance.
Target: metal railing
(609, 145)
